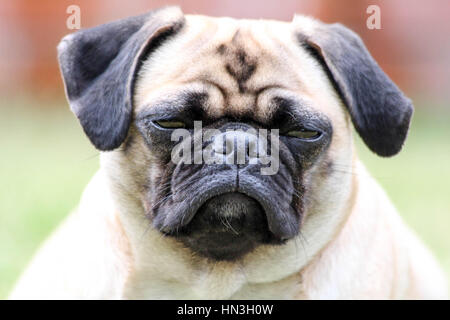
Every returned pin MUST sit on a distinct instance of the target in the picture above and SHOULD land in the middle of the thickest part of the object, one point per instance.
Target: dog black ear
(380, 112)
(99, 66)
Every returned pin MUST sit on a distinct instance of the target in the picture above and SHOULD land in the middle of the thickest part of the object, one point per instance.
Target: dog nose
(238, 147)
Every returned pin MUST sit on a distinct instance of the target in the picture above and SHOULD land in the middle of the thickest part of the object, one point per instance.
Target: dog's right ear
(99, 66)
(380, 112)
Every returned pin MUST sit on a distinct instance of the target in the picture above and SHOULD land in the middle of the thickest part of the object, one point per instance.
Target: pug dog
(317, 227)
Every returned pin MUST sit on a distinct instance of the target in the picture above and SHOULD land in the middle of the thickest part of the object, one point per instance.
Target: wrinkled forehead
(238, 66)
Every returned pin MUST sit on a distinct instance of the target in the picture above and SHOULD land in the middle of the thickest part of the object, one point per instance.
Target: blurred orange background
(412, 46)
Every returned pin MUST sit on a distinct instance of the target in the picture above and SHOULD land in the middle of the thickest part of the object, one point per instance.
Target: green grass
(46, 161)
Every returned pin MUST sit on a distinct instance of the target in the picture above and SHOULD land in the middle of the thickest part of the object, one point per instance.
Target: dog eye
(170, 124)
(304, 134)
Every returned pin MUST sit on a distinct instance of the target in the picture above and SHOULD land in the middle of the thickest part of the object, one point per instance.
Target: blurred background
(46, 161)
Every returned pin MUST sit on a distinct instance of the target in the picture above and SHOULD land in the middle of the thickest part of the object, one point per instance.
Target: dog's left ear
(380, 112)
(99, 67)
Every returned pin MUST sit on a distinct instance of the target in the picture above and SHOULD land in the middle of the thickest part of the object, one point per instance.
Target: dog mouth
(227, 226)
(222, 213)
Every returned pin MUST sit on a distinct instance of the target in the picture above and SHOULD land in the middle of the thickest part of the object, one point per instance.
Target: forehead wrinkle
(298, 110)
(178, 59)
(281, 57)
(185, 101)
(267, 104)
(195, 59)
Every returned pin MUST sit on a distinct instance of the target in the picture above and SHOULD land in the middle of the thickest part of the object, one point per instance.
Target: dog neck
(161, 267)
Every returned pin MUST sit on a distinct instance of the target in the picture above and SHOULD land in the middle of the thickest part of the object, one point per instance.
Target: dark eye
(170, 124)
(304, 134)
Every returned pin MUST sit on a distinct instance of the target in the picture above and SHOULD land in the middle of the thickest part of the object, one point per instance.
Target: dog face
(135, 82)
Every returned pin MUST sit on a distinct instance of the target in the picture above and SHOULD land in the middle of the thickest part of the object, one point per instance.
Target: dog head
(148, 87)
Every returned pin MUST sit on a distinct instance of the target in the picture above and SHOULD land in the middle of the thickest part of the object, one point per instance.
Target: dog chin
(226, 227)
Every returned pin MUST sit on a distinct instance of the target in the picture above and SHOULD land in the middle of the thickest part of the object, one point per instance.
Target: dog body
(320, 228)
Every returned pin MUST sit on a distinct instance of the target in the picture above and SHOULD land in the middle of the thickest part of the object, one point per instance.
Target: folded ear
(380, 112)
(99, 67)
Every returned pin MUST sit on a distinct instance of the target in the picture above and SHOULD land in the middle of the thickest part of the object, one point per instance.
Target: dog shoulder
(375, 248)
(424, 277)
(79, 260)
(417, 274)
